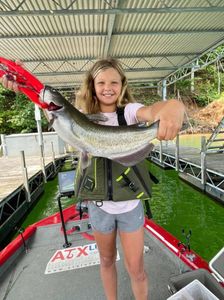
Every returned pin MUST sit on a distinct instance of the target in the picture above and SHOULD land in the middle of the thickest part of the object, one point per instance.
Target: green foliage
(16, 113)
(205, 86)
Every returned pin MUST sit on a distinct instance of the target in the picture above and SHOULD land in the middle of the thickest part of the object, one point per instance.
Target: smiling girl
(105, 90)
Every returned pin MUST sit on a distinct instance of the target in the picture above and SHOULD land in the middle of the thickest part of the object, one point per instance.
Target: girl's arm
(171, 116)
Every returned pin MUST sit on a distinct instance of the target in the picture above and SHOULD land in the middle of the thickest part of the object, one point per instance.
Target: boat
(57, 258)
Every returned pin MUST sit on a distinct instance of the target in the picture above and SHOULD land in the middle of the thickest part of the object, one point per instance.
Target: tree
(17, 113)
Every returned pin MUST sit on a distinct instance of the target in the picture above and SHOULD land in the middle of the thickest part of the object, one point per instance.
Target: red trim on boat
(172, 243)
(11, 248)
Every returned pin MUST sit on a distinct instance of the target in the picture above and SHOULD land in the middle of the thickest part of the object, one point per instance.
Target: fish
(127, 145)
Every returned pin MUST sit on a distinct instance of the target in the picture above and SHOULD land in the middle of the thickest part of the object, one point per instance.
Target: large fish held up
(127, 145)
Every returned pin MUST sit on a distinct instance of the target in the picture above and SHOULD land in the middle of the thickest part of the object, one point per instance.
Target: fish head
(52, 98)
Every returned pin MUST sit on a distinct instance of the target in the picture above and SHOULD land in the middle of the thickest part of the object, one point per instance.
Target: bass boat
(57, 258)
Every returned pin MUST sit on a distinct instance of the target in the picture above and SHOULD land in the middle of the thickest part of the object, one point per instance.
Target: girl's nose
(107, 86)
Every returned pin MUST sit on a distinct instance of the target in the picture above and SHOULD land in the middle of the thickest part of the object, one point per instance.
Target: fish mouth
(53, 107)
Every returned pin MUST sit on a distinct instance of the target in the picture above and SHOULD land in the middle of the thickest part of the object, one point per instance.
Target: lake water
(175, 206)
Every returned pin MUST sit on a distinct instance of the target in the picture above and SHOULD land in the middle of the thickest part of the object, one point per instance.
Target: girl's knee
(138, 276)
(107, 261)
(136, 272)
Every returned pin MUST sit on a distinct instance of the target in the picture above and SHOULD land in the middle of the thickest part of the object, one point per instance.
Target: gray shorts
(104, 222)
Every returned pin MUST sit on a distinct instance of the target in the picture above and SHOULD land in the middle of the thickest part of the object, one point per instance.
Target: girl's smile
(108, 86)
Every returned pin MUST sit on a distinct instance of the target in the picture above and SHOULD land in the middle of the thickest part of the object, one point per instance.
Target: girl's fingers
(167, 130)
(9, 84)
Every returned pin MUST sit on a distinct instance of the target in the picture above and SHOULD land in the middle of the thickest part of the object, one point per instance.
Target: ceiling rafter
(109, 11)
(126, 71)
(108, 36)
(200, 62)
(152, 55)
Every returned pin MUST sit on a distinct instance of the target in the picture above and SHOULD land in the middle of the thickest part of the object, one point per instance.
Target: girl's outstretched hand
(170, 113)
(171, 117)
(8, 82)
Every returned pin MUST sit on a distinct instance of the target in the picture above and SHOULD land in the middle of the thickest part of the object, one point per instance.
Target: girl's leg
(106, 243)
(133, 246)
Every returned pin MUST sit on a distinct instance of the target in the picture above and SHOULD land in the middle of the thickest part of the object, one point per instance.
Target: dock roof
(156, 39)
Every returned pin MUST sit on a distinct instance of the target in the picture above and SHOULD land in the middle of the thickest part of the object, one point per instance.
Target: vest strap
(120, 116)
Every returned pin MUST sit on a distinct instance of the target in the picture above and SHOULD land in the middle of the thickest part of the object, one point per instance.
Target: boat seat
(178, 282)
(217, 265)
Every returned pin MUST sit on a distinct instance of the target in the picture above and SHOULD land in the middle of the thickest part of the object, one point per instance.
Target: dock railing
(202, 168)
(211, 144)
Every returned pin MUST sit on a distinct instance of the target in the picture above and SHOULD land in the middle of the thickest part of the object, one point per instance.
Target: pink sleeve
(130, 112)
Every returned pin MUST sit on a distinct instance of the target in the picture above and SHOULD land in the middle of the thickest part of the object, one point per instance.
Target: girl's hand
(170, 113)
(171, 117)
(8, 82)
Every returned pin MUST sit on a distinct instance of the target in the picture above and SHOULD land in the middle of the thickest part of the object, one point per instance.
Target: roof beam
(100, 34)
(131, 82)
(126, 71)
(111, 11)
(110, 28)
(200, 62)
(74, 59)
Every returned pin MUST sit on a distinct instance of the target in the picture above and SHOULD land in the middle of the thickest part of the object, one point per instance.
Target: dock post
(177, 152)
(25, 177)
(42, 162)
(4, 147)
(160, 152)
(53, 156)
(203, 161)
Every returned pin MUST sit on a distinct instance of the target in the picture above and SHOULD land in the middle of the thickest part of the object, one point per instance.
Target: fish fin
(136, 157)
(97, 117)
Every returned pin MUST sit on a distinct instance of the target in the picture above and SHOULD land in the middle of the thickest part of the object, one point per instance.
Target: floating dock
(204, 171)
(21, 185)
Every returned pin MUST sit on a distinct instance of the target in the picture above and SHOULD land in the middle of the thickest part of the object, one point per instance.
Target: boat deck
(26, 278)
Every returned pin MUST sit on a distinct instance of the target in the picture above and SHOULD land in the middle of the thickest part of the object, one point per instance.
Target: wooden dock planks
(11, 175)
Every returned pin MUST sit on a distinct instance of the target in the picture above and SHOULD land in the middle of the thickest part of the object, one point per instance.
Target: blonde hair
(86, 99)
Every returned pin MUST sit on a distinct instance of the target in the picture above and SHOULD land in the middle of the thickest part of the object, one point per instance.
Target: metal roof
(60, 39)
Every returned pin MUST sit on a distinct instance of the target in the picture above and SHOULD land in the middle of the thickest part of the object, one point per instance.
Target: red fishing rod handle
(28, 84)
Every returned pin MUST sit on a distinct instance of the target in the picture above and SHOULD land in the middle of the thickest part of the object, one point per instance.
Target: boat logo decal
(74, 258)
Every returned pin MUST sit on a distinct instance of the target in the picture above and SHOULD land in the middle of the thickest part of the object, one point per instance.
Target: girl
(104, 89)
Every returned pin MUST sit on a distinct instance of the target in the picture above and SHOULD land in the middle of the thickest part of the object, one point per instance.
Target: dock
(22, 182)
(11, 172)
(205, 171)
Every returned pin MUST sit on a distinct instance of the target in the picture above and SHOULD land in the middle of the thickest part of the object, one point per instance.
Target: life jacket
(107, 180)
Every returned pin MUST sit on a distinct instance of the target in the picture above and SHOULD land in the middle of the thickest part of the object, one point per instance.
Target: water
(175, 206)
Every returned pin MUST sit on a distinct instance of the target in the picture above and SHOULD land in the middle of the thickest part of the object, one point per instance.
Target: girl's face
(108, 86)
